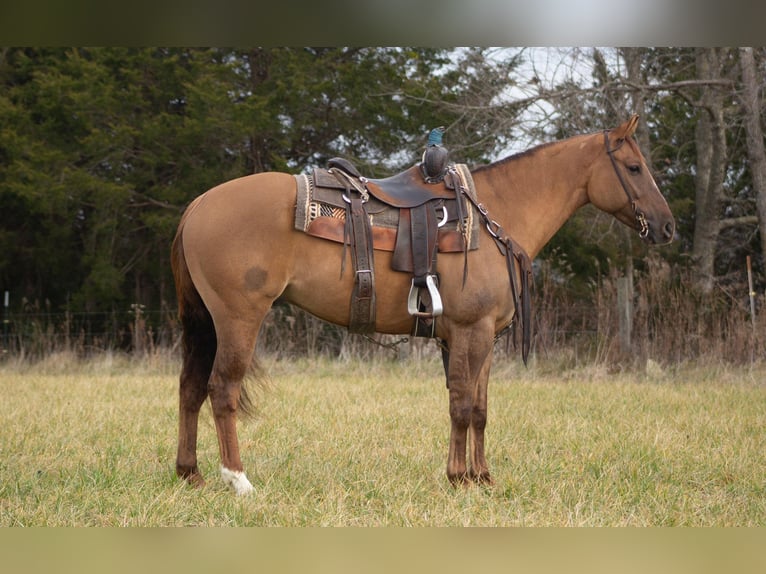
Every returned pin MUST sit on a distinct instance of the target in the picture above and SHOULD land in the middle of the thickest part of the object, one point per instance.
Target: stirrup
(436, 300)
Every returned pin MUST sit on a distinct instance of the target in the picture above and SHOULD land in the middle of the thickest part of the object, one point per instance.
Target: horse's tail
(199, 341)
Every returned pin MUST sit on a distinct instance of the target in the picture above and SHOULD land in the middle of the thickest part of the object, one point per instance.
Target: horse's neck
(533, 194)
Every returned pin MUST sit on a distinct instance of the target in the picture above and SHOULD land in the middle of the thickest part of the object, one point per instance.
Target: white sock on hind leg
(237, 480)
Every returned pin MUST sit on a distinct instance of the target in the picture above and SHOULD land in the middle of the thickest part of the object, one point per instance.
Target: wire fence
(661, 318)
(36, 333)
(287, 331)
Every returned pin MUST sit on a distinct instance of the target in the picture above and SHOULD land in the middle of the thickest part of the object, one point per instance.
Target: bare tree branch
(738, 221)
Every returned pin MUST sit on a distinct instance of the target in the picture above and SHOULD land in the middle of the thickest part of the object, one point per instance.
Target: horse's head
(621, 184)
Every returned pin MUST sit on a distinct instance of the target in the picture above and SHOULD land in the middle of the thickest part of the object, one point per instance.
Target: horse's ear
(626, 129)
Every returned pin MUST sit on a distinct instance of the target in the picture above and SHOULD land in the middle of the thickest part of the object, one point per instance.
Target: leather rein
(637, 213)
(520, 286)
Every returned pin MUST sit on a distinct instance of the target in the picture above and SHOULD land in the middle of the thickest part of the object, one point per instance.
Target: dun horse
(236, 251)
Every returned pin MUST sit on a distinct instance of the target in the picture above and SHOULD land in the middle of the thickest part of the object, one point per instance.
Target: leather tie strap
(362, 310)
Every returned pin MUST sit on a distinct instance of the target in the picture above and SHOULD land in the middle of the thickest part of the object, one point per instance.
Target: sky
(544, 67)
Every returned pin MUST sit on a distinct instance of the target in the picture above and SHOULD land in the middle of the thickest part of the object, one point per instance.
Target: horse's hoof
(192, 476)
(482, 478)
(196, 480)
(461, 479)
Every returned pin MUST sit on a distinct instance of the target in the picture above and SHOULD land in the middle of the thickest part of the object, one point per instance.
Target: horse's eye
(634, 169)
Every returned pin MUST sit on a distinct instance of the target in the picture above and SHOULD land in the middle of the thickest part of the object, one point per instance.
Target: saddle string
(347, 180)
(392, 346)
(462, 189)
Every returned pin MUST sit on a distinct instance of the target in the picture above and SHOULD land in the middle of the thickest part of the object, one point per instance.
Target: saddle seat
(407, 189)
(403, 190)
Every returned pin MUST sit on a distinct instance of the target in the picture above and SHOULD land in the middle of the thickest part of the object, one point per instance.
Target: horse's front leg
(479, 468)
(468, 351)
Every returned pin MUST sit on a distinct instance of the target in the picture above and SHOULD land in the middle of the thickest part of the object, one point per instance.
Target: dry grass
(346, 443)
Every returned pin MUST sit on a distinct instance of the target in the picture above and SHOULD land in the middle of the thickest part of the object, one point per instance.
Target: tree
(102, 148)
(710, 138)
(751, 109)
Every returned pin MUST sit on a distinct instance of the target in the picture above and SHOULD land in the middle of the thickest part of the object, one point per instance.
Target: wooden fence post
(6, 321)
(625, 312)
(751, 292)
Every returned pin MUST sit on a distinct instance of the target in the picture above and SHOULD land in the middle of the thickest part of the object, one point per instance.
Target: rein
(637, 213)
(522, 302)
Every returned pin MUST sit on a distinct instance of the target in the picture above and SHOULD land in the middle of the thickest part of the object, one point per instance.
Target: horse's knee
(478, 419)
(460, 415)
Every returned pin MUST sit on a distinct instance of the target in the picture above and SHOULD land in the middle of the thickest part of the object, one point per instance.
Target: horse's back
(251, 197)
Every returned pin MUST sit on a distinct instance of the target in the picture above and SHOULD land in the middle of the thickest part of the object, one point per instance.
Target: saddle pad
(320, 211)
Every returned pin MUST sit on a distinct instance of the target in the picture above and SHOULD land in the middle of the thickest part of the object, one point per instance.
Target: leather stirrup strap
(424, 230)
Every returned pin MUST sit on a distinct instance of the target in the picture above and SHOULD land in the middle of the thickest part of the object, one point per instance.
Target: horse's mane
(522, 154)
(514, 157)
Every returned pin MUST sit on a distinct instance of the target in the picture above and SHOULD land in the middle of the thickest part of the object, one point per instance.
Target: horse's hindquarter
(242, 248)
(237, 241)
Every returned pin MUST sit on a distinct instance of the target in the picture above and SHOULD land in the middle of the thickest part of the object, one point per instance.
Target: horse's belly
(322, 285)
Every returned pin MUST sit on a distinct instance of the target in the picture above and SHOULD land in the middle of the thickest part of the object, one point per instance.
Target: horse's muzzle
(661, 233)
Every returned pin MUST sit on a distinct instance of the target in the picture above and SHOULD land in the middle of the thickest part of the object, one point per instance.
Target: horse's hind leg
(236, 342)
(192, 393)
(199, 346)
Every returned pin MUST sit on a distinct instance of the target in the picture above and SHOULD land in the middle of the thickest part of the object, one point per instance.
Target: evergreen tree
(102, 148)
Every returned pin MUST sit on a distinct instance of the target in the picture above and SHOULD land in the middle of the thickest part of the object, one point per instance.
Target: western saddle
(408, 215)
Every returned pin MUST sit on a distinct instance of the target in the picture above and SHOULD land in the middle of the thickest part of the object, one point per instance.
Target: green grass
(345, 443)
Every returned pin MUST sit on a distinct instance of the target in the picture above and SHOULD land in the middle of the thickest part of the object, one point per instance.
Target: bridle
(637, 213)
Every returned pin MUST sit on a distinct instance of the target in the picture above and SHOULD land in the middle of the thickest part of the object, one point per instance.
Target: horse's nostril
(669, 230)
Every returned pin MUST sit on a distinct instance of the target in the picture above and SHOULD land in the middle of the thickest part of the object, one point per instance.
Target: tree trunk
(710, 141)
(754, 136)
(634, 58)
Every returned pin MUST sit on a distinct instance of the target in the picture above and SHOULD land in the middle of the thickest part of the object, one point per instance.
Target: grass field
(345, 443)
